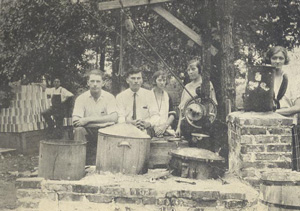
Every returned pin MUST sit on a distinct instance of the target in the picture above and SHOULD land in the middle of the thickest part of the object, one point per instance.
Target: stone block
(70, 197)
(253, 131)
(128, 200)
(27, 183)
(85, 189)
(142, 192)
(279, 148)
(267, 156)
(30, 193)
(252, 148)
(280, 131)
(179, 194)
(99, 198)
(148, 200)
(286, 139)
(238, 196)
(247, 139)
(266, 139)
(234, 204)
(163, 201)
(115, 191)
(28, 203)
(57, 187)
(205, 195)
(183, 202)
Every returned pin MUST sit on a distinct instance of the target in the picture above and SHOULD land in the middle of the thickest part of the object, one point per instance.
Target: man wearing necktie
(137, 105)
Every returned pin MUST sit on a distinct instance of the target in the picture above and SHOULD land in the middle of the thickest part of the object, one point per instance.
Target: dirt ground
(13, 166)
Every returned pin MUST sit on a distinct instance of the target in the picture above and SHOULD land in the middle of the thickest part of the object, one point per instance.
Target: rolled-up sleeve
(78, 107)
(111, 105)
(120, 108)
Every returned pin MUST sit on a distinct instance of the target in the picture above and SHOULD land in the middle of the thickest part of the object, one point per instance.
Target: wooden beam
(178, 24)
(109, 5)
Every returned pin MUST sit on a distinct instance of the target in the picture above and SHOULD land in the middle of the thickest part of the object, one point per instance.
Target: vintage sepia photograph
(149, 105)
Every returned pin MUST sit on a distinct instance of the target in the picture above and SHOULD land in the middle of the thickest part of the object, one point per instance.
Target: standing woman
(194, 71)
(287, 103)
(164, 103)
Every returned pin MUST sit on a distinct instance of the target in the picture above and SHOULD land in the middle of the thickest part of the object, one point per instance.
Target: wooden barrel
(280, 191)
(122, 148)
(160, 148)
(62, 159)
(259, 89)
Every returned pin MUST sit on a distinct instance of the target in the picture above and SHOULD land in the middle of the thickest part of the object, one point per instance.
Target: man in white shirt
(137, 105)
(93, 109)
(59, 98)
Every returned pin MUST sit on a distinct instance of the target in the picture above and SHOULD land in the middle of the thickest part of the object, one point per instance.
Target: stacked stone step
(24, 113)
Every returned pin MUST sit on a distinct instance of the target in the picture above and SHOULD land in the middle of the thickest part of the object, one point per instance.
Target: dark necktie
(134, 107)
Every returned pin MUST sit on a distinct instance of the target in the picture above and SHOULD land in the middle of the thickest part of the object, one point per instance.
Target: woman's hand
(160, 129)
(178, 132)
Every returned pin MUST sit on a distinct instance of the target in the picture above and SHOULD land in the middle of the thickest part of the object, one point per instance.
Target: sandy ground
(13, 166)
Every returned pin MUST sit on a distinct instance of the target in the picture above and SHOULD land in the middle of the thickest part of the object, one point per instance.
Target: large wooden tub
(280, 190)
(122, 148)
(62, 159)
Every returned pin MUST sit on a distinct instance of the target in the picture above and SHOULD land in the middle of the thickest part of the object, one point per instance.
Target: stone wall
(38, 194)
(258, 142)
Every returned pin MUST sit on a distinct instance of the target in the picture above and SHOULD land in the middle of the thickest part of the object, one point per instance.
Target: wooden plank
(127, 3)
(178, 24)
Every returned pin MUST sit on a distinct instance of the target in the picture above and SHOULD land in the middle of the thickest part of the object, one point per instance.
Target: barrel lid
(281, 176)
(124, 130)
(196, 154)
(62, 142)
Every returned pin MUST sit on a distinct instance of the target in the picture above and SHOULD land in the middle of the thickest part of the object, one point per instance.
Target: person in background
(194, 71)
(164, 104)
(59, 99)
(287, 103)
(93, 109)
(137, 105)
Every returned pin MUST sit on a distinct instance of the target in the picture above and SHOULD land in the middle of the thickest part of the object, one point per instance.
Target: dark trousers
(205, 143)
(89, 135)
(58, 118)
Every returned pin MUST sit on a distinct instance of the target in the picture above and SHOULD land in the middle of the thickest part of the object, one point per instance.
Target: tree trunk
(227, 58)
(206, 53)
(102, 58)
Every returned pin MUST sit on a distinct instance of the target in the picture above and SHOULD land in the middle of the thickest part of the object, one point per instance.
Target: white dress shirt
(146, 106)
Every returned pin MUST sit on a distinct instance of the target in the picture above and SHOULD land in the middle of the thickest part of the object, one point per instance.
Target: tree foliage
(50, 37)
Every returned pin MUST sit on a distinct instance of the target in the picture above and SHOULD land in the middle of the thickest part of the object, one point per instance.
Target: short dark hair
(275, 50)
(198, 64)
(132, 71)
(95, 72)
(157, 74)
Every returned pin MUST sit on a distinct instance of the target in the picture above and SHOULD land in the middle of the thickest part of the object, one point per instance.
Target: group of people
(148, 110)
(152, 110)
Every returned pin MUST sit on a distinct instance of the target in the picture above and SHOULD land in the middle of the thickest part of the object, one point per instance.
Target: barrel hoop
(280, 183)
(282, 206)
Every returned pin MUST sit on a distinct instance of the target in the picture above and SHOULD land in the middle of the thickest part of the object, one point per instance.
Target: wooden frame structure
(118, 4)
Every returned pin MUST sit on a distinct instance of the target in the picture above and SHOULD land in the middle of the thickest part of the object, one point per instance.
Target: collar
(137, 93)
(100, 97)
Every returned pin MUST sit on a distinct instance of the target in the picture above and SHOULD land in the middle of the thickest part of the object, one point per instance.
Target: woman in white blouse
(287, 103)
(194, 71)
(164, 103)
